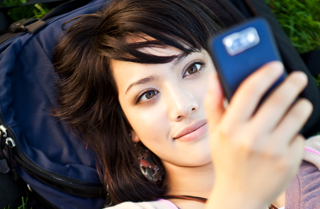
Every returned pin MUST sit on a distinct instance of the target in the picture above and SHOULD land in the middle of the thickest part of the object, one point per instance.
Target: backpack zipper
(62, 183)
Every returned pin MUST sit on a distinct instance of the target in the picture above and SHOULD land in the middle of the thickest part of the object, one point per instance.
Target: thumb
(214, 102)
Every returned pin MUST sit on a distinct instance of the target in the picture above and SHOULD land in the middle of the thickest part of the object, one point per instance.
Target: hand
(256, 152)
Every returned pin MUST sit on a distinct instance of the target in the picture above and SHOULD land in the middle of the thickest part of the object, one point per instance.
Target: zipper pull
(4, 168)
(3, 131)
(11, 144)
(7, 143)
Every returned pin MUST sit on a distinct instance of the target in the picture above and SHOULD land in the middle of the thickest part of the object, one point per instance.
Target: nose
(182, 104)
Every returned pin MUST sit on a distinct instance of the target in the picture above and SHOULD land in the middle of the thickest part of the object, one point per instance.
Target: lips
(190, 129)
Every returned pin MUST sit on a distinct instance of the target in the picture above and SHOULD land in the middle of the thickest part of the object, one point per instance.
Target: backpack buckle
(20, 26)
(24, 25)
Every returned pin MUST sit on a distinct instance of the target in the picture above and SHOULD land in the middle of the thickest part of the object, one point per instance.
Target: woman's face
(164, 103)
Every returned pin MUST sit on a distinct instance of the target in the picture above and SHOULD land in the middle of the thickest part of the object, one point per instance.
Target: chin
(198, 158)
(201, 161)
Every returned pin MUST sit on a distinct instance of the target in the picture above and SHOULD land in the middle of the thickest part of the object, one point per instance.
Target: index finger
(250, 92)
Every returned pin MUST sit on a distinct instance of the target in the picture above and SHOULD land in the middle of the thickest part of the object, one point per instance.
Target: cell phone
(240, 50)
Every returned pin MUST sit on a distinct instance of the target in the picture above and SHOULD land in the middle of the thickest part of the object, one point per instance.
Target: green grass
(29, 11)
(300, 20)
(22, 206)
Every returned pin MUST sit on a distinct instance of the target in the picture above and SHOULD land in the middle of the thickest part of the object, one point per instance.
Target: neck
(192, 181)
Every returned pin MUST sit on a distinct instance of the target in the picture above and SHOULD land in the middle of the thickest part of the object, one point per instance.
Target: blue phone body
(234, 66)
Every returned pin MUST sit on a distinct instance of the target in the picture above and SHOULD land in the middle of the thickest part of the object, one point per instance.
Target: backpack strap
(31, 2)
(237, 9)
(35, 25)
(231, 12)
(64, 8)
(226, 12)
(292, 62)
(312, 61)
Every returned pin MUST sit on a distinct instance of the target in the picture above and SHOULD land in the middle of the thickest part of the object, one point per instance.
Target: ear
(134, 137)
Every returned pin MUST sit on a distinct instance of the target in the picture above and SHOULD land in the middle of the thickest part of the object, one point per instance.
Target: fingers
(248, 95)
(278, 116)
(293, 121)
(295, 153)
(279, 101)
(214, 102)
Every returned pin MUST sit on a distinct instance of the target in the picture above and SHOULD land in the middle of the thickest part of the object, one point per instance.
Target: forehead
(125, 72)
(155, 50)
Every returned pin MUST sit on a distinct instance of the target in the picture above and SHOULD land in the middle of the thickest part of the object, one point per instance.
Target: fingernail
(277, 67)
(302, 76)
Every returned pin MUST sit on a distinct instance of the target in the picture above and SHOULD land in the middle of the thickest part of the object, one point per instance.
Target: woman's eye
(193, 68)
(147, 95)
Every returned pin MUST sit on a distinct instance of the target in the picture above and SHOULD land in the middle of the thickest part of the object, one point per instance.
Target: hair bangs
(170, 24)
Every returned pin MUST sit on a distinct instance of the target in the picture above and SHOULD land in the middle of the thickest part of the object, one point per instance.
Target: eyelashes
(193, 68)
(148, 95)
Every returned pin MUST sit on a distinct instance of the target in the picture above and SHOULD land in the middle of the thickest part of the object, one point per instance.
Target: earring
(150, 167)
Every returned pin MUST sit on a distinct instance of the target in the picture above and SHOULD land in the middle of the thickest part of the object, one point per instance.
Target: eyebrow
(142, 81)
(181, 57)
(178, 59)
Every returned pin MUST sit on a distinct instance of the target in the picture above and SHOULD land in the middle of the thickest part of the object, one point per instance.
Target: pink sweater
(303, 192)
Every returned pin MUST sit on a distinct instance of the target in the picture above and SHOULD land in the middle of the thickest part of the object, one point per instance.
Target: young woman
(138, 84)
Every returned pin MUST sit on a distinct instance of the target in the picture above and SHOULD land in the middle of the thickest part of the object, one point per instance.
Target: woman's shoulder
(158, 204)
(304, 191)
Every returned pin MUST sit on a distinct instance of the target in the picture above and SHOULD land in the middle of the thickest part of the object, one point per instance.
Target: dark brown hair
(88, 94)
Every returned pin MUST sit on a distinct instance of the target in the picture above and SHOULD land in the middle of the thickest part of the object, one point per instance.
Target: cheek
(150, 124)
(201, 92)
(200, 88)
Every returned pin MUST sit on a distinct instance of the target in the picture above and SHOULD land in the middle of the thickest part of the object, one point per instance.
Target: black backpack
(52, 163)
